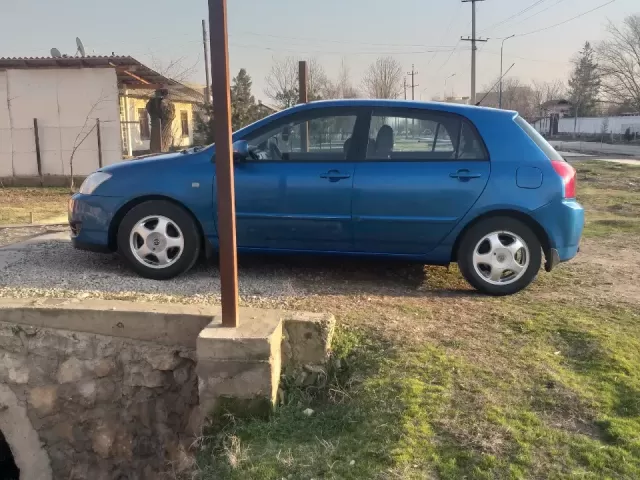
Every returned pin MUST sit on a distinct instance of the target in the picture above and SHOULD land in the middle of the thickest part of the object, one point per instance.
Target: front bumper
(90, 217)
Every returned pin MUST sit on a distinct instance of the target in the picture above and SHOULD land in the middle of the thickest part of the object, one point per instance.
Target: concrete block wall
(108, 389)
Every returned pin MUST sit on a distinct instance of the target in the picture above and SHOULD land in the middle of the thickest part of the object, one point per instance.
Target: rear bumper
(89, 218)
(563, 221)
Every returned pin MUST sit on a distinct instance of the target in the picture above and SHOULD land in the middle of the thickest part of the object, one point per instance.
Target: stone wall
(103, 407)
(115, 390)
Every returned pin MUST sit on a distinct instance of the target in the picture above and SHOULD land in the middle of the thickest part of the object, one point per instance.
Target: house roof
(131, 73)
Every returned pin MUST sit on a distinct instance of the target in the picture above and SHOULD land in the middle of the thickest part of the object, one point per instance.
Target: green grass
(610, 194)
(429, 381)
(558, 398)
(17, 204)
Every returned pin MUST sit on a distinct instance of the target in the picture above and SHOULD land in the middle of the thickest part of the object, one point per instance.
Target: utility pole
(473, 41)
(406, 122)
(207, 88)
(413, 74)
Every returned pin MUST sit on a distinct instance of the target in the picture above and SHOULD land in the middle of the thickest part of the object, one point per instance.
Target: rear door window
(422, 135)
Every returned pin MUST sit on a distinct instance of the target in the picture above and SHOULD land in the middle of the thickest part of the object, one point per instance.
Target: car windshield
(539, 140)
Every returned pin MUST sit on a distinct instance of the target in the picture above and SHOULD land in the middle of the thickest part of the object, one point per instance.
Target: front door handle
(464, 175)
(335, 175)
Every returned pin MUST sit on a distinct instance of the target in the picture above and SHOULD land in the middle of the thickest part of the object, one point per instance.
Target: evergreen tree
(244, 109)
(584, 84)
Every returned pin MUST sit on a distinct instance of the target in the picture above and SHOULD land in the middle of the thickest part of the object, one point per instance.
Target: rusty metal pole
(219, 49)
(303, 97)
(38, 155)
(99, 135)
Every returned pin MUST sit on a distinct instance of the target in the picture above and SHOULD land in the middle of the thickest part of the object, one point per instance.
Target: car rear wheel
(500, 256)
(159, 239)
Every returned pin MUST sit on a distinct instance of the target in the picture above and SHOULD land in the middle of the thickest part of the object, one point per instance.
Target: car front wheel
(159, 239)
(500, 256)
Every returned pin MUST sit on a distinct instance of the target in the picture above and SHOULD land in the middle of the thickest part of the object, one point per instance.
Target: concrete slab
(239, 368)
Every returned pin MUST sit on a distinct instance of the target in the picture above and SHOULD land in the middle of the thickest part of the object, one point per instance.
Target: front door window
(325, 137)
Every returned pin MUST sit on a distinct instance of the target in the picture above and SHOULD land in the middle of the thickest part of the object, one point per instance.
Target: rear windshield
(539, 140)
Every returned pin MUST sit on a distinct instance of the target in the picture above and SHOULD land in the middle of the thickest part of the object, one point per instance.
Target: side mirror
(240, 150)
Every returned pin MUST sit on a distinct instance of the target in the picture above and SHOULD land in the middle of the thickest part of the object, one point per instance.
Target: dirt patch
(9, 236)
(17, 204)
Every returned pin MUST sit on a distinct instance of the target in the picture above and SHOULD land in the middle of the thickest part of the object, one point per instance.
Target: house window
(143, 118)
(184, 122)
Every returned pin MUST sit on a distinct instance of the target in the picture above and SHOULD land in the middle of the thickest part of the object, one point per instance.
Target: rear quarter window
(538, 139)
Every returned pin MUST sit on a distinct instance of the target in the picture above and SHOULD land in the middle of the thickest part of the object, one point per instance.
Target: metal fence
(43, 150)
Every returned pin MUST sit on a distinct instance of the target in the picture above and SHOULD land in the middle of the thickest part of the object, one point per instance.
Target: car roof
(473, 113)
(372, 102)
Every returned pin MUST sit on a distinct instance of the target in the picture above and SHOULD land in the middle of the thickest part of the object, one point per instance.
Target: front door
(294, 193)
(425, 173)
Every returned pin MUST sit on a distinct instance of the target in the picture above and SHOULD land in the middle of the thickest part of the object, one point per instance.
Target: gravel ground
(49, 266)
(18, 234)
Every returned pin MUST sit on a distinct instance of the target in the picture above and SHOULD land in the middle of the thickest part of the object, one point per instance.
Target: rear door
(423, 173)
(295, 193)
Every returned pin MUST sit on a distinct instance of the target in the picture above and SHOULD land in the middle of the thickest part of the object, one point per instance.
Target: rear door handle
(335, 175)
(464, 175)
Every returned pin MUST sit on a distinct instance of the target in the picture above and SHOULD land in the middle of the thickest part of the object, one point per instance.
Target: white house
(88, 108)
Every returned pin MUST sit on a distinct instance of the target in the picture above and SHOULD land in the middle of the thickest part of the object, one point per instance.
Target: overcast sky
(421, 32)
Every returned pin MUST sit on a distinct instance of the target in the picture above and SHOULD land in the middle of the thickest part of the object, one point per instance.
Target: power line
(526, 58)
(538, 13)
(328, 52)
(517, 14)
(453, 17)
(566, 21)
(450, 55)
(343, 42)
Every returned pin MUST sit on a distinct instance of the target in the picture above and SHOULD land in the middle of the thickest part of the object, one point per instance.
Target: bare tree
(619, 62)
(282, 81)
(543, 92)
(177, 69)
(516, 96)
(343, 87)
(88, 126)
(383, 79)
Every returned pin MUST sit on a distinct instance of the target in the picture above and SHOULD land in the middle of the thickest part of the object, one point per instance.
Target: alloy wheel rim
(156, 241)
(501, 258)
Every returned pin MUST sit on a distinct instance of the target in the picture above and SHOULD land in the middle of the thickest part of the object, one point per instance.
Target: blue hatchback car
(430, 182)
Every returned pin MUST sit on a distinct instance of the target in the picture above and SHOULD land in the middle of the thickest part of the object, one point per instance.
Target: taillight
(568, 175)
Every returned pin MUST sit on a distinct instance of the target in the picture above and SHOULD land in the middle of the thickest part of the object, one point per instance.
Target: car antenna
(491, 89)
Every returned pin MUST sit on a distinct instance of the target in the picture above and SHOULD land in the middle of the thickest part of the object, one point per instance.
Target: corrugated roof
(131, 73)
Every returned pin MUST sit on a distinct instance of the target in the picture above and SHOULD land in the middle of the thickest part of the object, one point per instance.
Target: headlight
(93, 181)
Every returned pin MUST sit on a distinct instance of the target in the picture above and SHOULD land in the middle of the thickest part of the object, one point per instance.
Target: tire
(489, 248)
(159, 240)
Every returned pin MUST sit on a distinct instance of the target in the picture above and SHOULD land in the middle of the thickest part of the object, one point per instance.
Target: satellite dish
(80, 47)
(55, 53)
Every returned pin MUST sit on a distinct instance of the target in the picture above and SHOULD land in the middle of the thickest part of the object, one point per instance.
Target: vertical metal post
(128, 123)
(99, 143)
(501, 58)
(224, 161)
(38, 156)
(303, 85)
(207, 88)
(473, 53)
